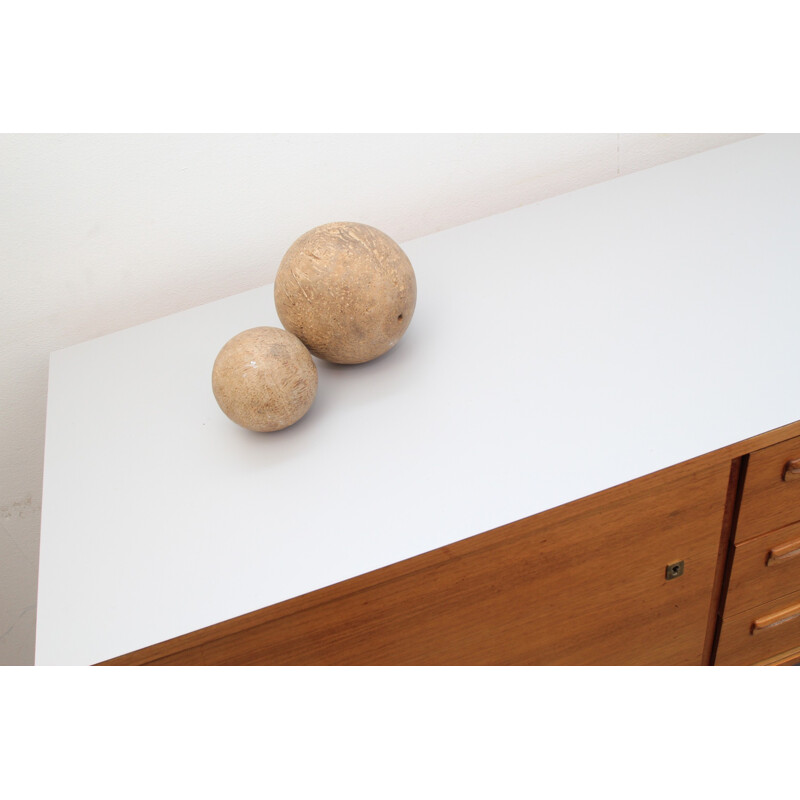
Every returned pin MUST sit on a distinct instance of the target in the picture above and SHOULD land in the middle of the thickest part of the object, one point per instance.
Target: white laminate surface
(556, 350)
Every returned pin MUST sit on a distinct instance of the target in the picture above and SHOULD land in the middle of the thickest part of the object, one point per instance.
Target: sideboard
(585, 450)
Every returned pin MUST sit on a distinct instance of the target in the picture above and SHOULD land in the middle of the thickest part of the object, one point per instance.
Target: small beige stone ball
(264, 379)
(347, 291)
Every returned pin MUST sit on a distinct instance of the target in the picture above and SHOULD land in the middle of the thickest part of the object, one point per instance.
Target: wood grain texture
(580, 584)
(773, 618)
(724, 556)
(758, 576)
(788, 659)
(784, 552)
(791, 470)
(769, 502)
(740, 645)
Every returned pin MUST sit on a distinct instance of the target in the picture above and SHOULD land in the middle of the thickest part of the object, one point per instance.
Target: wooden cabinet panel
(584, 583)
(760, 634)
(788, 659)
(764, 568)
(771, 497)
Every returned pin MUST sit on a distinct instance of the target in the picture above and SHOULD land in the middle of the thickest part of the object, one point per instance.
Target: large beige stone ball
(264, 379)
(347, 291)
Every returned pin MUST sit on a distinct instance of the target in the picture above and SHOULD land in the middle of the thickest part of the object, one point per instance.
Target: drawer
(771, 496)
(790, 659)
(760, 633)
(765, 568)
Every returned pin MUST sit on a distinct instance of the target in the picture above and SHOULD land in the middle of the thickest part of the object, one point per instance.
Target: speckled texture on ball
(347, 291)
(264, 379)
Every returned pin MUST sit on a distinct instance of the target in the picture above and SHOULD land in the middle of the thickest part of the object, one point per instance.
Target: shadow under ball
(347, 291)
(264, 379)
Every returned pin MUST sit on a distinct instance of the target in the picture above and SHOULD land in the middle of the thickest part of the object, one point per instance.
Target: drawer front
(765, 568)
(790, 659)
(771, 496)
(760, 633)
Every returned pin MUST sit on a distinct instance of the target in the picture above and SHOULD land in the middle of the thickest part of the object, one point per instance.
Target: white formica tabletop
(556, 350)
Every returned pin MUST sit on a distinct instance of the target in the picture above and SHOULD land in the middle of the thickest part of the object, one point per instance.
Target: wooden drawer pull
(791, 470)
(776, 618)
(783, 552)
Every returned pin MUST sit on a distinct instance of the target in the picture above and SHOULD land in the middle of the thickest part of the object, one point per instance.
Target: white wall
(101, 232)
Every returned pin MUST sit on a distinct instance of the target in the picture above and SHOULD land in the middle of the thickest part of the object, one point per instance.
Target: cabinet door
(585, 583)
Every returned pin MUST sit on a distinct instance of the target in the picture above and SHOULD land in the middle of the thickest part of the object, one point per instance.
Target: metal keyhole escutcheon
(674, 570)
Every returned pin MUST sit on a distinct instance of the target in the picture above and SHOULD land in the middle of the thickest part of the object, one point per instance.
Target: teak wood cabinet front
(695, 564)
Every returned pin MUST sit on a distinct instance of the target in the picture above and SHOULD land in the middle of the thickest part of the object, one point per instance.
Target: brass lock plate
(674, 570)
